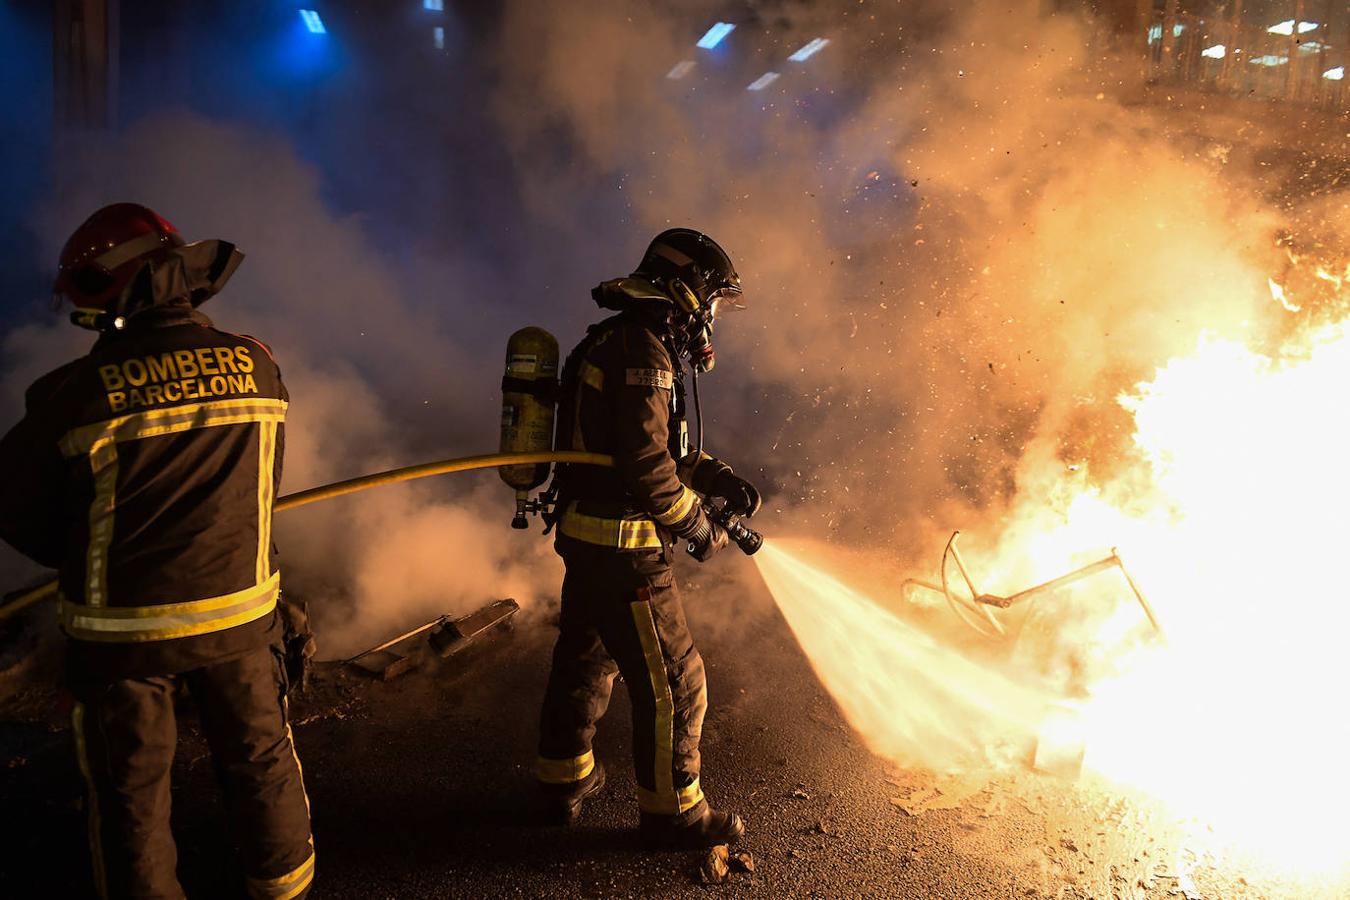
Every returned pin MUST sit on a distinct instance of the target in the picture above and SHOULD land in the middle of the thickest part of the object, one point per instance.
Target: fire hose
(743, 536)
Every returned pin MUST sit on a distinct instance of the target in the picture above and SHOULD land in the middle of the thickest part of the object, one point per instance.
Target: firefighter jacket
(145, 472)
(622, 393)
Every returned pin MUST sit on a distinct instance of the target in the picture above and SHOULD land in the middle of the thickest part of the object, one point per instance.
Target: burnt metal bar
(448, 637)
(1138, 594)
(970, 583)
(439, 620)
(981, 602)
(1100, 565)
(455, 635)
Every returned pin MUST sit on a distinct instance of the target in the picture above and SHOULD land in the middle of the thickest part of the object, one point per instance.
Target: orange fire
(1234, 520)
(1237, 535)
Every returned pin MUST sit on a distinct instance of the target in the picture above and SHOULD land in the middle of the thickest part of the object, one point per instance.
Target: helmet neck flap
(688, 323)
(126, 258)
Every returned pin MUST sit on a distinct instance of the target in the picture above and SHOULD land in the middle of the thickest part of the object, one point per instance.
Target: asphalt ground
(420, 787)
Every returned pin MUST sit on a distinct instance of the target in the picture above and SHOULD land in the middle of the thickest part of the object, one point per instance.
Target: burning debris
(1236, 448)
(720, 863)
(447, 637)
(974, 608)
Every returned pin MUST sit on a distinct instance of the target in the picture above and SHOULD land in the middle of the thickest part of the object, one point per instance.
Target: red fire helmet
(104, 254)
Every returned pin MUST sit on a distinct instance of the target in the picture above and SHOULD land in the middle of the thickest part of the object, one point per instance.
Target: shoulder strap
(567, 385)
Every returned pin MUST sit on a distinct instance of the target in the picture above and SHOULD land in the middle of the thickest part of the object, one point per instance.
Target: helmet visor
(725, 297)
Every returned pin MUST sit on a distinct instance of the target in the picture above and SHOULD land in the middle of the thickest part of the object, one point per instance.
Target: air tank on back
(529, 391)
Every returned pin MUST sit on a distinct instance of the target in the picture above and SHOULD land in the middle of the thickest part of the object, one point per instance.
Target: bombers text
(178, 375)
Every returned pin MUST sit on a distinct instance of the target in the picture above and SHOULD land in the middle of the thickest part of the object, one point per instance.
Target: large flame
(1241, 719)
(1234, 521)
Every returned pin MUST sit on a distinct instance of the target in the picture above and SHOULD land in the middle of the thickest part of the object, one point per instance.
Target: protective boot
(562, 802)
(675, 833)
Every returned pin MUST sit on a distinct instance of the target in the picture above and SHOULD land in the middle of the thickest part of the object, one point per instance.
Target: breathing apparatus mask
(698, 278)
(693, 324)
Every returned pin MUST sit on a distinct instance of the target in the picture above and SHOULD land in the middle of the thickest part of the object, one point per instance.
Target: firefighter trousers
(125, 732)
(621, 613)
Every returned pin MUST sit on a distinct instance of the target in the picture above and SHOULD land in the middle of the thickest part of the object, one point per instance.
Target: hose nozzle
(741, 534)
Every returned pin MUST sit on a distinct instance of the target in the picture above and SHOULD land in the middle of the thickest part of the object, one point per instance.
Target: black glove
(298, 646)
(742, 497)
(705, 536)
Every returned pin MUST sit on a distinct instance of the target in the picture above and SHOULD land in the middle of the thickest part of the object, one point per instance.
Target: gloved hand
(742, 497)
(705, 537)
(298, 646)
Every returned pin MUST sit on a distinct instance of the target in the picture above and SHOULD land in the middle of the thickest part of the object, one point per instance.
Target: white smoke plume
(380, 373)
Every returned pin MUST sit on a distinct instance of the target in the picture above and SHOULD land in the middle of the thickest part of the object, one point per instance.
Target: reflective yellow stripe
(624, 534)
(664, 799)
(95, 829)
(290, 736)
(128, 250)
(87, 438)
(592, 376)
(132, 624)
(564, 771)
(286, 886)
(293, 882)
(688, 797)
(267, 457)
(86, 317)
(103, 464)
(99, 441)
(680, 508)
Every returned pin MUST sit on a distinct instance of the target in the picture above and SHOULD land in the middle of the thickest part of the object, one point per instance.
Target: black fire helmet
(683, 256)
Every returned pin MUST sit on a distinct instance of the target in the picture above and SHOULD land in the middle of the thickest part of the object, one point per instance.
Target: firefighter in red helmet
(145, 473)
(622, 393)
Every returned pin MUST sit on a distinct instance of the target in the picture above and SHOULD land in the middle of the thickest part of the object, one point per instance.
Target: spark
(1277, 293)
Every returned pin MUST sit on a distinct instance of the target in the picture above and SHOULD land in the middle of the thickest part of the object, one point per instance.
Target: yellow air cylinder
(529, 389)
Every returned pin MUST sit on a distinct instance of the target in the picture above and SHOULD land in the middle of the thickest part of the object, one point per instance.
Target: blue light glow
(434, 5)
(762, 81)
(438, 37)
(313, 22)
(714, 35)
(809, 50)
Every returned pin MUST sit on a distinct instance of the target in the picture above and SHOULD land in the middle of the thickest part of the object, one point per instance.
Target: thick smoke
(961, 237)
(380, 375)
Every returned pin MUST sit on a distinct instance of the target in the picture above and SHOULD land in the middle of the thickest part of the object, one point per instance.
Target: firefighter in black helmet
(145, 472)
(623, 393)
